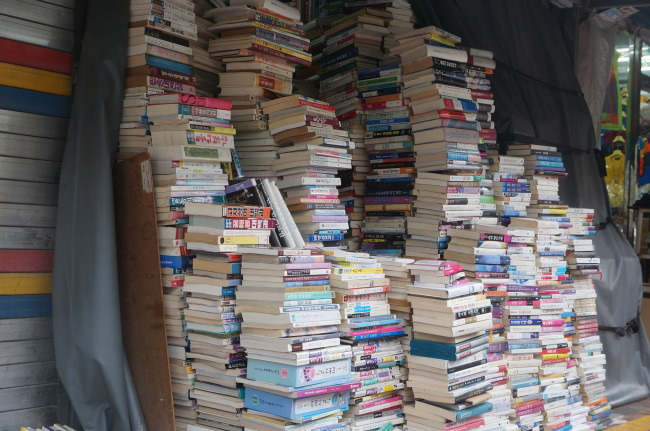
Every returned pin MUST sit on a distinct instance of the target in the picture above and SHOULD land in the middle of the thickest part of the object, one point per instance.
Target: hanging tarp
(539, 100)
(87, 333)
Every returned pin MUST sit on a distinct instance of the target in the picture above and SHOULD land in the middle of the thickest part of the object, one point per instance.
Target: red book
(190, 99)
(26, 260)
(34, 56)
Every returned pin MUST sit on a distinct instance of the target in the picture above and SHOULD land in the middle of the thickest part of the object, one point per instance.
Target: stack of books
(206, 68)
(314, 149)
(298, 371)
(55, 427)
(260, 44)
(543, 166)
(159, 61)
(388, 198)
(374, 333)
(510, 187)
(257, 152)
(587, 348)
(448, 357)
(215, 232)
(397, 272)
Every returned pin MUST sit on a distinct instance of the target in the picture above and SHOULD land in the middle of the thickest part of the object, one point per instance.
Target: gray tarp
(538, 99)
(87, 333)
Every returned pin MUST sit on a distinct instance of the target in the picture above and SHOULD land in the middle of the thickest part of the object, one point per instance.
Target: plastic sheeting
(87, 333)
(539, 100)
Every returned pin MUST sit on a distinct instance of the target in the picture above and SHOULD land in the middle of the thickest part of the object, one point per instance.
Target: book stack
(214, 233)
(374, 333)
(397, 272)
(260, 42)
(257, 152)
(55, 427)
(159, 60)
(314, 149)
(352, 42)
(388, 198)
(448, 357)
(185, 169)
(206, 68)
(298, 374)
(587, 348)
(510, 187)
(543, 166)
(191, 156)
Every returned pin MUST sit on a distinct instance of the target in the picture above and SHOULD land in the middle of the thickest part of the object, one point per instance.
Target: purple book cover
(388, 200)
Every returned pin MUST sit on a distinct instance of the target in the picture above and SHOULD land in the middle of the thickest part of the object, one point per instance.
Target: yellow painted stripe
(19, 283)
(13, 75)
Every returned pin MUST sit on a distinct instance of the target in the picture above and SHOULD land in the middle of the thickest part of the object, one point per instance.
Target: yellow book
(25, 283)
(436, 38)
(284, 49)
(217, 130)
(239, 240)
(29, 78)
(555, 356)
(388, 207)
(358, 270)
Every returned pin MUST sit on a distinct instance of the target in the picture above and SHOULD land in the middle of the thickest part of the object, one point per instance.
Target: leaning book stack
(587, 347)
(206, 68)
(448, 358)
(374, 334)
(314, 149)
(260, 42)
(159, 60)
(352, 42)
(298, 374)
(448, 116)
(215, 233)
(388, 140)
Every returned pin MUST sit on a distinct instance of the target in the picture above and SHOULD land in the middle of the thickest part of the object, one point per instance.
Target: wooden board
(22, 352)
(29, 238)
(30, 328)
(28, 215)
(24, 192)
(141, 296)
(26, 260)
(29, 397)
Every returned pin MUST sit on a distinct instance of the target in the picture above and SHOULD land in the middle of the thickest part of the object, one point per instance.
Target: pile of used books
(448, 356)
(260, 45)
(159, 60)
(375, 337)
(314, 149)
(298, 371)
(215, 233)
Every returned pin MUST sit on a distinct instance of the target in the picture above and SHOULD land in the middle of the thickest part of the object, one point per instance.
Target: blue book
(164, 63)
(379, 335)
(492, 260)
(389, 179)
(376, 72)
(388, 121)
(380, 92)
(359, 325)
(434, 346)
(294, 408)
(176, 261)
(15, 306)
(333, 237)
(34, 102)
(376, 87)
(306, 283)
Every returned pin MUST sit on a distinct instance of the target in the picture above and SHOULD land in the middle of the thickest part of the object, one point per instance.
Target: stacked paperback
(449, 114)
(215, 232)
(587, 348)
(448, 356)
(159, 60)
(388, 200)
(298, 373)
(374, 334)
(314, 149)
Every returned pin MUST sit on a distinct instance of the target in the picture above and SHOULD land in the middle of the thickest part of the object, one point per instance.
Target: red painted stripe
(34, 56)
(26, 260)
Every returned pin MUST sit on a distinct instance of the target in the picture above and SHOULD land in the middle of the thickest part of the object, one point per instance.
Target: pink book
(190, 99)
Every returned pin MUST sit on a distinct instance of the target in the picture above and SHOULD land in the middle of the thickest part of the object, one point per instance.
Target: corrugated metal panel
(12, 421)
(29, 328)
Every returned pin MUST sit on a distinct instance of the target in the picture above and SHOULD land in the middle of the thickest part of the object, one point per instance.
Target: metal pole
(631, 153)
